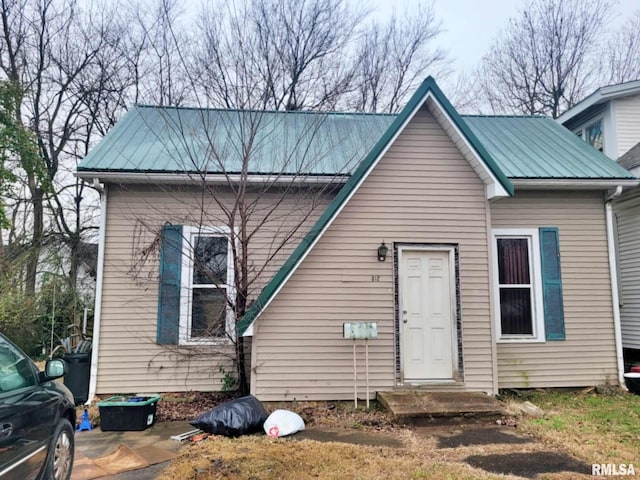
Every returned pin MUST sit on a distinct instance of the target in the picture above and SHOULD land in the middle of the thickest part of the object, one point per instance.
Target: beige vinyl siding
(628, 222)
(627, 122)
(129, 358)
(588, 355)
(422, 191)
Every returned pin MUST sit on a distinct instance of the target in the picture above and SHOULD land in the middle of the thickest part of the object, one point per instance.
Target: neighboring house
(498, 272)
(609, 119)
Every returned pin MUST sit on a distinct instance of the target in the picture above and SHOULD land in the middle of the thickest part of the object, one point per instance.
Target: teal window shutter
(169, 289)
(551, 283)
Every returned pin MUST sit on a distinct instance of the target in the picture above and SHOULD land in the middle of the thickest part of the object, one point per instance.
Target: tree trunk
(3, 263)
(73, 279)
(243, 380)
(37, 198)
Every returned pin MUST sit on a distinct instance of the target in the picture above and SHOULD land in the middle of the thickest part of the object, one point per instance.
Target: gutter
(97, 309)
(613, 269)
(573, 184)
(209, 179)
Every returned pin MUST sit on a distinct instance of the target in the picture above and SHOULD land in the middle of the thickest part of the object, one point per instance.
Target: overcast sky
(470, 25)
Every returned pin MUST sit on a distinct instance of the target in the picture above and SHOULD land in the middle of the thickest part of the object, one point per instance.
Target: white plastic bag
(282, 423)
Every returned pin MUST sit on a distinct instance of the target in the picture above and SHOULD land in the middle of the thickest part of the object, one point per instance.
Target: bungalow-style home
(609, 119)
(480, 246)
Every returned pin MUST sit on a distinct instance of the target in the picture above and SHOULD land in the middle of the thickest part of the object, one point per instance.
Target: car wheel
(60, 456)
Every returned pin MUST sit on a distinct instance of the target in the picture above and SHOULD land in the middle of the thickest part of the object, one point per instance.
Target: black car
(37, 416)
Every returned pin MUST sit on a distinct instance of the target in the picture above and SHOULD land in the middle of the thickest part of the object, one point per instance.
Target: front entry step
(411, 405)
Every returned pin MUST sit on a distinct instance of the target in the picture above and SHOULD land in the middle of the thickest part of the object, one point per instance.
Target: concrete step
(410, 405)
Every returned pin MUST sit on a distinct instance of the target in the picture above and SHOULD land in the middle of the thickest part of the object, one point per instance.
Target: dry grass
(594, 428)
(259, 457)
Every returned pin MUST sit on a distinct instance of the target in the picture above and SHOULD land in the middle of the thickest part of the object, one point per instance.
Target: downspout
(93, 379)
(613, 268)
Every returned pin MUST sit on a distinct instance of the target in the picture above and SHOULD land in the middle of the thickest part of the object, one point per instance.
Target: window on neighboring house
(528, 287)
(196, 286)
(593, 135)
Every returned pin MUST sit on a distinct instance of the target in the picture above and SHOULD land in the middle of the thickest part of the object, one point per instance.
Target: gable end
(496, 182)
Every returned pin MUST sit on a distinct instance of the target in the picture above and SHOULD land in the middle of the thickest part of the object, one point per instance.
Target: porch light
(382, 252)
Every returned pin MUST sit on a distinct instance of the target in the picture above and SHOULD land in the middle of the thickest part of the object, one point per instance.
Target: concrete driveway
(140, 455)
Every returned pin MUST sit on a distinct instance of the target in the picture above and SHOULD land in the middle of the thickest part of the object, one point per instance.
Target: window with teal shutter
(551, 283)
(169, 289)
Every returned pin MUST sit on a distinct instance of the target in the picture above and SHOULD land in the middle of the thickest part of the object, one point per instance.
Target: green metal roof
(178, 140)
(540, 148)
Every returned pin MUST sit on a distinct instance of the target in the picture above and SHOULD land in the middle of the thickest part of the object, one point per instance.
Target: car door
(25, 416)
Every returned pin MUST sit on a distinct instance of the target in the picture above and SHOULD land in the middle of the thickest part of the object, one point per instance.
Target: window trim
(186, 281)
(532, 235)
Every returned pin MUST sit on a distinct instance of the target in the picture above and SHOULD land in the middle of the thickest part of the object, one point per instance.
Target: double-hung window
(518, 292)
(207, 291)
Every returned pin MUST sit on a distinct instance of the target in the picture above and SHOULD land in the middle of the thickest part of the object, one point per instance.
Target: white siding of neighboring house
(627, 123)
(628, 220)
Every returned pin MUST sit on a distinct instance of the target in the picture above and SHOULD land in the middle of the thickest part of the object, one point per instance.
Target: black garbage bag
(238, 417)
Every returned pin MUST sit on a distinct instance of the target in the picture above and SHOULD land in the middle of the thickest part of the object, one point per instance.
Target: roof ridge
(249, 110)
(481, 115)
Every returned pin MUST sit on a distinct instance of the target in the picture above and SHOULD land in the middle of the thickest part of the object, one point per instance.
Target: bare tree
(156, 45)
(546, 60)
(622, 53)
(276, 54)
(52, 51)
(393, 58)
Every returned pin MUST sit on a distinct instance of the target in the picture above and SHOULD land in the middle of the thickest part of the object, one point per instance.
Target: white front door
(426, 317)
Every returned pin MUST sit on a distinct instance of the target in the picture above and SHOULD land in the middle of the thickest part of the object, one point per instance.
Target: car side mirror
(55, 368)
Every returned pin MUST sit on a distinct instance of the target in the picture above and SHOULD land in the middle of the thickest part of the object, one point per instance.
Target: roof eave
(170, 178)
(572, 183)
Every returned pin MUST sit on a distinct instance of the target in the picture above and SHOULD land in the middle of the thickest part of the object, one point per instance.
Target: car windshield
(15, 371)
